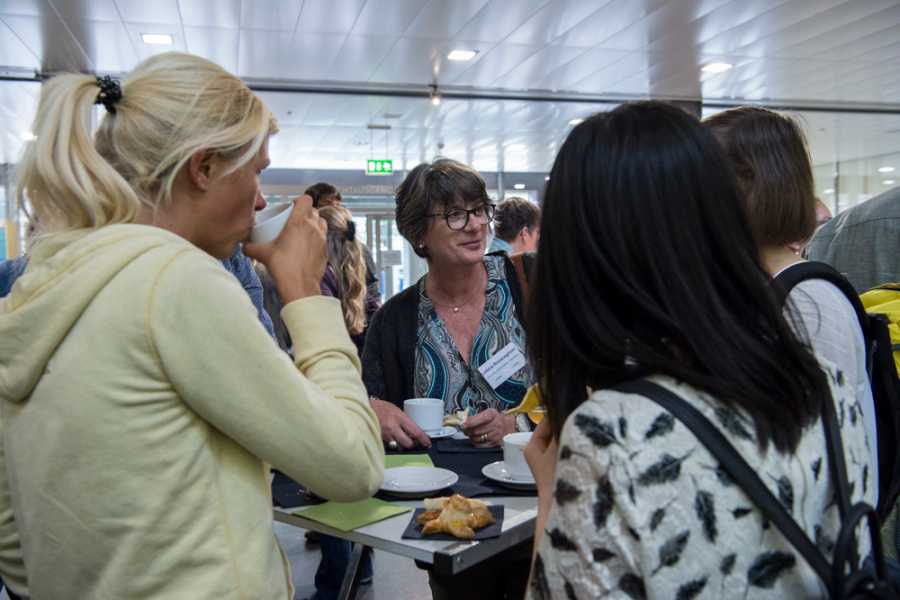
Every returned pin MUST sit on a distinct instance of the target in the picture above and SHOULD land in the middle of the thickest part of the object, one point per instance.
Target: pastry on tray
(455, 419)
(456, 515)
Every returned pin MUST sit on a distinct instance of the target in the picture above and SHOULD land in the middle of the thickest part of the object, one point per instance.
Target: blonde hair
(345, 255)
(172, 106)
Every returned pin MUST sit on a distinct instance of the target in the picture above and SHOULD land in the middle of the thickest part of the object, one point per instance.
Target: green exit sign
(380, 167)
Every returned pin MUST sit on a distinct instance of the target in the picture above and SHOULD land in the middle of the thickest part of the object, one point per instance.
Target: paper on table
(407, 460)
(347, 516)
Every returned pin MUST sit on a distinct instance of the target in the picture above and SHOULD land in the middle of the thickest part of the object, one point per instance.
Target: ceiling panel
(50, 40)
(199, 13)
(387, 17)
(329, 16)
(217, 44)
(498, 19)
(13, 50)
(442, 20)
(107, 44)
(271, 15)
(538, 67)
(496, 62)
(279, 55)
(141, 11)
(92, 10)
(360, 56)
(135, 30)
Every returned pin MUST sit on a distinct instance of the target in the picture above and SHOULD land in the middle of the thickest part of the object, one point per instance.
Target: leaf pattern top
(642, 510)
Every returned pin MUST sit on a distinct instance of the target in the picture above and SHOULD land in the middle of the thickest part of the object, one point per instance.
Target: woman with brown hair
(770, 158)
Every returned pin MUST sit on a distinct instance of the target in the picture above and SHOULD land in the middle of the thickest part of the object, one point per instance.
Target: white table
(447, 557)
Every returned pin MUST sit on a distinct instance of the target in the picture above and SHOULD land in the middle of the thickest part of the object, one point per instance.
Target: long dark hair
(646, 265)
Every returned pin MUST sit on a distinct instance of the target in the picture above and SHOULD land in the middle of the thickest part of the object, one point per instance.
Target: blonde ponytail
(172, 105)
(68, 183)
(345, 255)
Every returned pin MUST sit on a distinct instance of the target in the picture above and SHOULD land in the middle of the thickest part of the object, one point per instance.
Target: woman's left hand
(487, 428)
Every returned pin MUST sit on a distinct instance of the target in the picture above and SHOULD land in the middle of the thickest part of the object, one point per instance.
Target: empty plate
(416, 481)
(498, 472)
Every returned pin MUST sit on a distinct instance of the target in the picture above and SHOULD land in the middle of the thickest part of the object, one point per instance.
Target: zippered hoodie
(140, 402)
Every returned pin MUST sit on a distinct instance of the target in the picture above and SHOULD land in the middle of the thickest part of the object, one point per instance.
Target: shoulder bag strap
(736, 467)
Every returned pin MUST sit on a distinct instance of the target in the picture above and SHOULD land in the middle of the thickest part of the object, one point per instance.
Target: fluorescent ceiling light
(575, 121)
(462, 55)
(157, 39)
(888, 182)
(885, 169)
(828, 191)
(716, 67)
(28, 137)
(521, 186)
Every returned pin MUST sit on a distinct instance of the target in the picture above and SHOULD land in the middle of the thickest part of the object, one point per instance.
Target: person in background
(647, 269)
(862, 242)
(823, 213)
(324, 194)
(517, 226)
(154, 389)
(430, 339)
(10, 270)
(769, 155)
(345, 279)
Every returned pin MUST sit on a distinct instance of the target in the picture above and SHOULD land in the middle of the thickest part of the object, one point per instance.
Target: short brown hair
(431, 187)
(771, 160)
(320, 191)
(513, 215)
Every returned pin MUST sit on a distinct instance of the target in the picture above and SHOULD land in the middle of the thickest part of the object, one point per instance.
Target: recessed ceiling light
(885, 169)
(576, 121)
(547, 178)
(157, 39)
(888, 182)
(828, 191)
(28, 137)
(521, 186)
(462, 55)
(716, 67)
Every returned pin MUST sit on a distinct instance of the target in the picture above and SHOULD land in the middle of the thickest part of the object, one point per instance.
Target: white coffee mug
(514, 454)
(269, 222)
(428, 413)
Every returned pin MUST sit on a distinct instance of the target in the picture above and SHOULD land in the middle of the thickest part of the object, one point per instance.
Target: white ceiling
(836, 52)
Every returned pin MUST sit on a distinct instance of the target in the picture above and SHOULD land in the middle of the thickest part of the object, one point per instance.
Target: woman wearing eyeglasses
(432, 339)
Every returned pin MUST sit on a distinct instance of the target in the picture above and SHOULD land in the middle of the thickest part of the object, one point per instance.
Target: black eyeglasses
(458, 218)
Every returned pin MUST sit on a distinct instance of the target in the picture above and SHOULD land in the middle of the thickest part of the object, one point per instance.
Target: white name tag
(503, 365)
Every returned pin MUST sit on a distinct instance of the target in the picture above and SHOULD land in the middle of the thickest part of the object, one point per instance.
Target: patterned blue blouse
(440, 371)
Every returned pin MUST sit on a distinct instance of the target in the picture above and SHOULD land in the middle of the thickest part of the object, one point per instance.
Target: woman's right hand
(396, 426)
(296, 258)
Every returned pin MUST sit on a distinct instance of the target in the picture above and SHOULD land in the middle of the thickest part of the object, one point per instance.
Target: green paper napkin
(407, 460)
(347, 516)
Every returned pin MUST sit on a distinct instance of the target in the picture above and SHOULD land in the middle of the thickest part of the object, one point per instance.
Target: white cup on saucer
(514, 454)
(269, 222)
(427, 413)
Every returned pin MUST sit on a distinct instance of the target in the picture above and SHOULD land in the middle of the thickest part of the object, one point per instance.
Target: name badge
(503, 365)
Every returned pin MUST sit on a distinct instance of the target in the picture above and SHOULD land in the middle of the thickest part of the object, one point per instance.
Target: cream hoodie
(141, 400)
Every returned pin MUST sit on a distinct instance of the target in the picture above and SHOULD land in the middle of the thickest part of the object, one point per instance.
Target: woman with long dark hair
(647, 269)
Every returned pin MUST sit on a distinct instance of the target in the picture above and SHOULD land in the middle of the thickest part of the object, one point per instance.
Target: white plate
(417, 481)
(445, 432)
(497, 471)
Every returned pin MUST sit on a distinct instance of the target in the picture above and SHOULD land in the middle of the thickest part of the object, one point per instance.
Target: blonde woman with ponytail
(345, 276)
(141, 401)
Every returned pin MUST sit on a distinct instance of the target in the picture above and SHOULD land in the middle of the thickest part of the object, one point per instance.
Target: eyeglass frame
(487, 207)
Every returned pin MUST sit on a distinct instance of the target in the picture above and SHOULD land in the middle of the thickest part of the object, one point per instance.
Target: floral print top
(441, 372)
(642, 510)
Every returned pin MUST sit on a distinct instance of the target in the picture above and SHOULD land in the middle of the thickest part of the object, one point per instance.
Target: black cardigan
(389, 357)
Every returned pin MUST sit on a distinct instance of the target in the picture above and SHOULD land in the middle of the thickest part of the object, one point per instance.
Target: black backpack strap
(736, 467)
(785, 281)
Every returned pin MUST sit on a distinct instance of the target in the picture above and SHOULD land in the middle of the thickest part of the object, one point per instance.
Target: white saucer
(460, 435)
(497, 472)
(412, 482)
(445, 432)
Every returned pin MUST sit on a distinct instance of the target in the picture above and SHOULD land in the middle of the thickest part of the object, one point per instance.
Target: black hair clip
(351, 231)
(110, 93)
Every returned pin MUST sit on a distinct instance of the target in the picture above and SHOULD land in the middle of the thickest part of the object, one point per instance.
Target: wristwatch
(523, 423)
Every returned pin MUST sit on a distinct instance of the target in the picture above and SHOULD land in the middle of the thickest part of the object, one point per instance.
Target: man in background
(517, 226)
